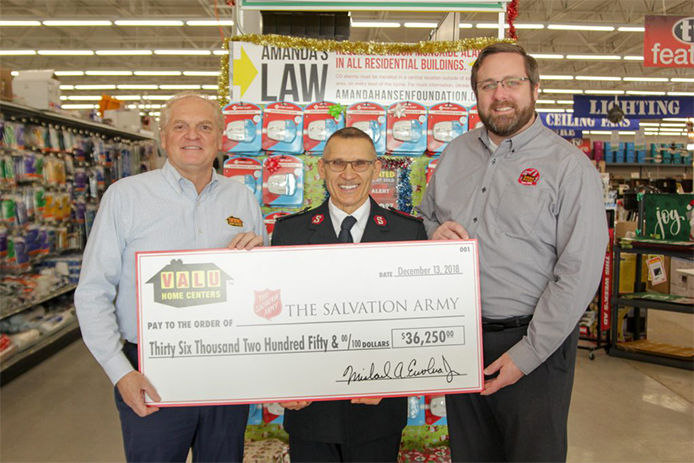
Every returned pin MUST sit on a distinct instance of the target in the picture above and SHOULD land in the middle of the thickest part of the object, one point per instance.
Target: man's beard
(506, 125)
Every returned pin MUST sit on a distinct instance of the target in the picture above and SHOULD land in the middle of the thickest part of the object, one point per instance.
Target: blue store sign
(635, 107)
(572, 122)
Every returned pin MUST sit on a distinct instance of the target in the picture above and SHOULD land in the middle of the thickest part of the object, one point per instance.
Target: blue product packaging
(243, 128)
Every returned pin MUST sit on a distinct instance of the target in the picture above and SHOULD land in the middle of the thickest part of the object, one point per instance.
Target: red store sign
(669, 41)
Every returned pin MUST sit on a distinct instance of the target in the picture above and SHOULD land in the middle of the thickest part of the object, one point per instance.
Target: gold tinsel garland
(357, 48)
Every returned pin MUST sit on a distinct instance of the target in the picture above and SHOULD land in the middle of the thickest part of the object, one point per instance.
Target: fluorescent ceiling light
(210, 22)
(643, 92)
(529, 26)
(600, 132)
(68, 73)
(108, 73)
(649, 124)
(77, 22)
(489, 25)
(20, 23)
(631, 29)
(421, 25)
(375, 24)
(550, 77)
(138, 87)
(180, 87)
(597, 57)
(545, 101)
(549, 110)
(611, 78)
(680, 93)
(546, 56)
(17, 52)
(605, 92)
(673, 124)
(682, 79)
(465, 26)
(645, 79)
(183, 51)
(561, 90)
(579, 27)
(67, 87)
(626, 132)
(201, 73)
(128, 97)
(148, 22)
(157, 73)
(95, 87)
(675, 119)
(210, 87)
(157, 97)
(83, 97)
(565, 101)
(123, 52)
(78, 106)
(220, 52)
(66, 52)
(633, 58)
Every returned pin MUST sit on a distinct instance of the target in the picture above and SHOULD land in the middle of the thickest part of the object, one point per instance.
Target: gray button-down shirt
(155, 211)
(535, 206)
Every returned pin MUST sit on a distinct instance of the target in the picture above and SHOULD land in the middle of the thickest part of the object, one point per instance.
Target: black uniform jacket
(339, 421)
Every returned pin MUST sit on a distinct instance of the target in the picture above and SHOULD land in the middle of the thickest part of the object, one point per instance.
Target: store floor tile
(622, 411)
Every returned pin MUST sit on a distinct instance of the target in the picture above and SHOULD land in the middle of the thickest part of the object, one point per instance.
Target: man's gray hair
(166, 110)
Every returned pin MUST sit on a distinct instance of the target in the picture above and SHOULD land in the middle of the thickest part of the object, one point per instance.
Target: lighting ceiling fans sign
(668, 41)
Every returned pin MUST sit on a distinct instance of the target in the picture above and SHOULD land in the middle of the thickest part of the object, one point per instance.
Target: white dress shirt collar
(337, 215)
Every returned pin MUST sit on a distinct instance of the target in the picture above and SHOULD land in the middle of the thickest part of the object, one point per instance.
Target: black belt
(489, 324)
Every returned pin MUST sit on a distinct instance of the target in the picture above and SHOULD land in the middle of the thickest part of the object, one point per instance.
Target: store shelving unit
(644, 301)
(51, 342)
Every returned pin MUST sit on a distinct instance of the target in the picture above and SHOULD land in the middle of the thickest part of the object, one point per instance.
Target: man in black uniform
(365, 429)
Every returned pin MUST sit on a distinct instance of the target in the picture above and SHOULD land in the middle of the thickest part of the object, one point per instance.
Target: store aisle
(622, 411)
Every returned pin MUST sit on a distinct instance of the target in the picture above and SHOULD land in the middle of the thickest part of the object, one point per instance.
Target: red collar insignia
(380, 220)
(529, 177)
(317, 219)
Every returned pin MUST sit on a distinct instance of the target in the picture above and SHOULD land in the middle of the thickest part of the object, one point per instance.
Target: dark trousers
(525, 421)
(215, 433)
(384, 449)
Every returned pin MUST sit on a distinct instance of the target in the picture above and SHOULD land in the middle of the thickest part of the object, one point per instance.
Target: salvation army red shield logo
(380, 220)
(529, 177)
(317, 219)
(268, 303)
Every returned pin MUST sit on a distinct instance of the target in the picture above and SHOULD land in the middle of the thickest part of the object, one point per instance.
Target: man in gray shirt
(534, 203)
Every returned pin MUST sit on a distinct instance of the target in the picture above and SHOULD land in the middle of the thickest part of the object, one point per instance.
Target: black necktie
(345, 236)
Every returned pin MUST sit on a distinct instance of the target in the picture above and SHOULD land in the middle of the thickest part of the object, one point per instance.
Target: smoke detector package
(283, 125)
(446, 122)
(406, 131)
(243, 123)
(321, 119)
(248, 171)
(371, 119)
(283, 181)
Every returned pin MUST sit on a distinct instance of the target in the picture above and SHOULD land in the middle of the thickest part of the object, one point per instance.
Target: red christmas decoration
(272, 164)
(511, 15)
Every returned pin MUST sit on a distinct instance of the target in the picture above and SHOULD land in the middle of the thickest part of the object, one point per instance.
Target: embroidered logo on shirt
(529, 177)
(317, 219)
(234, 221)
(380, 220)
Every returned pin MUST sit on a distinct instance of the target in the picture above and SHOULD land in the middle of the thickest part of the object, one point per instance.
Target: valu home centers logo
(187, 285)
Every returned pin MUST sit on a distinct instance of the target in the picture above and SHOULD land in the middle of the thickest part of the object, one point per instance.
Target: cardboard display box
(126, 119)
(38, 89)
(5, 84)
(682, 277)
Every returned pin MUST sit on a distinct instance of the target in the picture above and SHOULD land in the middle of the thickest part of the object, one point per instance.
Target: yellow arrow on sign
(244, 72)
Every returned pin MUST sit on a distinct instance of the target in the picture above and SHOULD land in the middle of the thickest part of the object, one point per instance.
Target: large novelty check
(310, 322)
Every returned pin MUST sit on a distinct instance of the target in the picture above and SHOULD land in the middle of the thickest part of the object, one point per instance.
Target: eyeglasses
(511, 83)
(338, 165)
